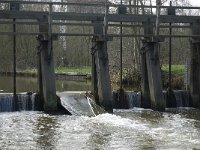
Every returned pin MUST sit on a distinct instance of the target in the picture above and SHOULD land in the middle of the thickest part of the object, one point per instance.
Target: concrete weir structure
(151, 95)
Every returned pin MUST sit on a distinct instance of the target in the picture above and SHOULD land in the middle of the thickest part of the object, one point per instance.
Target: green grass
(176, 69)
(28, 71)
(81, 70)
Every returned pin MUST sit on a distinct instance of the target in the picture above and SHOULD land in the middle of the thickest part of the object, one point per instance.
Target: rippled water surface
(130, 129)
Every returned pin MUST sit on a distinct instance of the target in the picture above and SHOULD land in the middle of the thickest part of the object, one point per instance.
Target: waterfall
(6, 103)
(182, 98)
(129, 100)
(134, 99)
(33, 97)
(24, 102)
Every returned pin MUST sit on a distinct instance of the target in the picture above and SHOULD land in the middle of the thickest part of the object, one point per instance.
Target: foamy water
(130, 129)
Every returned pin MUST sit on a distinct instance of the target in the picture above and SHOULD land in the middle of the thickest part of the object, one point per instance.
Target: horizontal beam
(55, 3)
(123, 18)
(97, 17)
(90, 34)
(20, 23)
(89, 24)
(94, 4)
(23, 15)
(77, 16)
(152, 18)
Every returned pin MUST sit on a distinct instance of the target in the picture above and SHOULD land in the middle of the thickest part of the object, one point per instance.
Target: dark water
(124, 130)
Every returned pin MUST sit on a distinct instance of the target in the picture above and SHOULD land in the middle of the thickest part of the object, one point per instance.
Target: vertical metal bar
(170, 53)
(14, 62)
(121, 54)
(158, 3)
(50, 31)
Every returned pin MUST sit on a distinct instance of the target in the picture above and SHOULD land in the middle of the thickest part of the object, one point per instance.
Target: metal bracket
(42, 37)
(102, 38)
(153, 39)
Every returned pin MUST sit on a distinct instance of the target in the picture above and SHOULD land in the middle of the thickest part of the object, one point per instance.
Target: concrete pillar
(94, 72)
(102, 69)
(39, 70)
(47, 67)
(195, 66)
(145, 101)
(153, 70)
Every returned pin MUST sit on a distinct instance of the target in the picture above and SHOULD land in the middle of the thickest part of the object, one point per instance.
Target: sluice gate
(152, 93)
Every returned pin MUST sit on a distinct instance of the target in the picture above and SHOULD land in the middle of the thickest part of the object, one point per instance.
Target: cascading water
(134, 99)
(182, 98)
(23, 102)
(33, 97)
(6, 103)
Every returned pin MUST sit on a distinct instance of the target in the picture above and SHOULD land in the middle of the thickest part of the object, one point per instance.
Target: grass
(81, 70)
(28, 71)
(176, 69)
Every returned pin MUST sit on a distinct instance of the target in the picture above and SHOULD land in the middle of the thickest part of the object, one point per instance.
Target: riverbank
(61, 73)
(130, 77)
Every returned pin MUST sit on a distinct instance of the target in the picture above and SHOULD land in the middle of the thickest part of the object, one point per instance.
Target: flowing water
(123, 130)
(135, 128)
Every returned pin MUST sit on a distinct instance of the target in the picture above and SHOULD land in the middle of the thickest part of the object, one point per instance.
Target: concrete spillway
(80, 103)
(77, 103)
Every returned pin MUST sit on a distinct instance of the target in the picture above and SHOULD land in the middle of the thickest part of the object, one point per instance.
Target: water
(124, 130)
(25, 84)
(24, 102)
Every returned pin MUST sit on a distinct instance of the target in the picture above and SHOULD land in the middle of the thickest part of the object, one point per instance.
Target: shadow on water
(45, 128)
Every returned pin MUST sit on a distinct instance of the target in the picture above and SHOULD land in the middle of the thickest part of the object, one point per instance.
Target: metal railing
(58, 18)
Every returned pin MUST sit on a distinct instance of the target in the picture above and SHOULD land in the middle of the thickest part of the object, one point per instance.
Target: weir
(24, 102)
(151, 95)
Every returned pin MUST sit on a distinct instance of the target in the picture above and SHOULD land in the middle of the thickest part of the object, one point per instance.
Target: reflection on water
(25, 84)
(130, 129)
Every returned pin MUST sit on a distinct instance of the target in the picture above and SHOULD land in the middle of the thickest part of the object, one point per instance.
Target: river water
(26, 84)
(124, 130)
